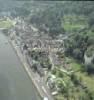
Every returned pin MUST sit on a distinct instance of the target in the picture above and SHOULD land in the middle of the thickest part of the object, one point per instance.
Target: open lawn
(6, 23)
(74, 23)
(87, 80)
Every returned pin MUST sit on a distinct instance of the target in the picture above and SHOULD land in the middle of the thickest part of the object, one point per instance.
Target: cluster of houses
(29, 38)
(32, 37)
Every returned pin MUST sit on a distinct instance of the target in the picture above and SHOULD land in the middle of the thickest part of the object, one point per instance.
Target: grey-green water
(14, 81)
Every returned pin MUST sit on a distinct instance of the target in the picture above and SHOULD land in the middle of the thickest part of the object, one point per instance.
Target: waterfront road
(15, 84)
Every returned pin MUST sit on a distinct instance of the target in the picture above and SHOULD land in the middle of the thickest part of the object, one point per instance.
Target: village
(41, 52)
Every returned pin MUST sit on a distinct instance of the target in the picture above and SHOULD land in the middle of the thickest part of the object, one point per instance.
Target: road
(15, 84)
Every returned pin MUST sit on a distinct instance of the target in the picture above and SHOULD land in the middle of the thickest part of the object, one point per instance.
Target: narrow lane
(14, 81)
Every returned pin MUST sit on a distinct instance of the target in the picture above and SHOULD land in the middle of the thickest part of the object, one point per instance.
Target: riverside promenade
(39, 85)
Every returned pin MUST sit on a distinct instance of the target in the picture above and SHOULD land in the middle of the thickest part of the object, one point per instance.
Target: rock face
(88, 60)
(89, 55)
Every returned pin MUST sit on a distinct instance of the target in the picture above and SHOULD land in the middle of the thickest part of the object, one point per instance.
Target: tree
(60, 74)
(78, 54)
(90, 68)
(54, 71)
(74, 78)
(50, 19)
(21, 11)
(91, 19)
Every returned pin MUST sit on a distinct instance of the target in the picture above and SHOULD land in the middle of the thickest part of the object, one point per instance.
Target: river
(15, 83)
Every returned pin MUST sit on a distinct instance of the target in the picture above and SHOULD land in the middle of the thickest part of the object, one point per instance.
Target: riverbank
(37, 83)
(14, 81)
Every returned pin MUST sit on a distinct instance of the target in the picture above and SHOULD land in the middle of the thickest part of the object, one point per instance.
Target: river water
(14, 81)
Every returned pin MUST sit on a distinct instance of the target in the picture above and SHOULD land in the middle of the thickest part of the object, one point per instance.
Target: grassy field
(6, 23)
(74, 23)
(76, 92)
(87, 80)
